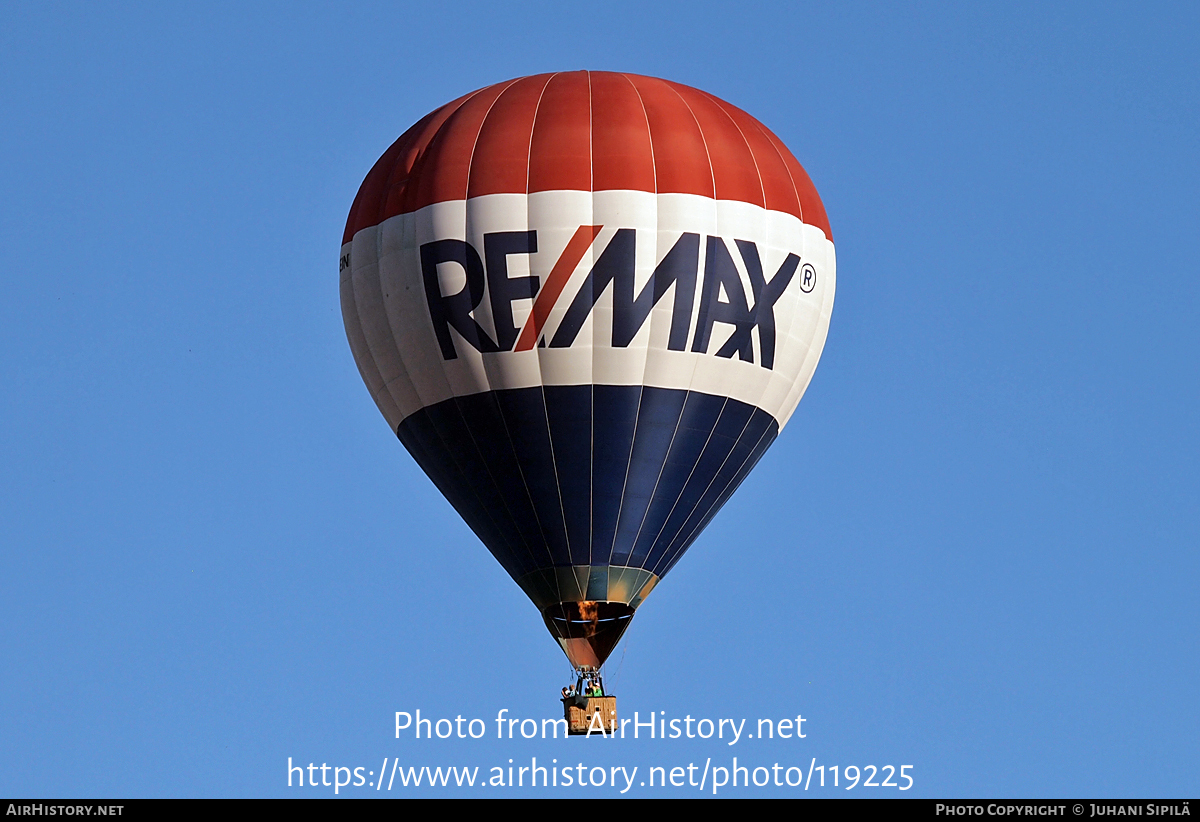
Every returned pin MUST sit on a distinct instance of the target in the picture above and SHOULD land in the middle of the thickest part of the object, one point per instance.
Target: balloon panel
(641, 134)
(593, 475)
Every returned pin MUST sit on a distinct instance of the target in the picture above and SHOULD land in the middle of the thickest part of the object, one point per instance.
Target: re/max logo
(722, 297)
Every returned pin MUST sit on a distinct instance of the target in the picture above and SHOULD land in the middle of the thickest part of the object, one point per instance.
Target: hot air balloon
(586, 303)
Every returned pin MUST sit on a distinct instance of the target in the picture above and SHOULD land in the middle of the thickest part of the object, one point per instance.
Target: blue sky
(972, 550)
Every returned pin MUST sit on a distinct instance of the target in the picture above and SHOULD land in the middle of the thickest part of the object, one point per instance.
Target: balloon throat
(587, 630)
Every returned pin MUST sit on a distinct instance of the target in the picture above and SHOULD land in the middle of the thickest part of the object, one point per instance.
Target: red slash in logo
(578, 245)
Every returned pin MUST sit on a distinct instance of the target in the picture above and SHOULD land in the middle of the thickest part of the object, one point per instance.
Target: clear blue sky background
(973, 550)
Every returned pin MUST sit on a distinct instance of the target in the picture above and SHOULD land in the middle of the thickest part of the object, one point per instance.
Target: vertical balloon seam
(762, 188)
(350, 312)
(783, 153)
(366, 364)
(500, 412)
(642, 396)
(451, 459)
(649, 136)
(691, 380)
(538, 352)
(485, 363)
(497, 486)
(404, 369)
(577, 552)
(488, 364)
(630, 549)
(591, 139)
(443, 437)
(694, 400)
(592, 390)
(749, 148)
(774, 147)
(731, 486)
(717, 231)
(363, 283)
(542, 391)
(800, 381)
(772, 170)
(694, 363)
(645, 363)
(528, 220)
(625, 479)
(637, 538)
(528, 492)
(436, 425)
(821, 330)
(554, 462)
(573, 549)
(765, 439)
(378, 175)
(432, 148)
(562, 508)
(449, 140)
(654, 546)
(820, 220)
(402, 376)
(368, 353)
(641, 400)
(703, 139)
(715, 210)
(800, 384)
(454, 456)
(422, 142)
(398, 162)
(703, 514)
(457, 404)
(766, 382)
(699, 510)
(672, 535)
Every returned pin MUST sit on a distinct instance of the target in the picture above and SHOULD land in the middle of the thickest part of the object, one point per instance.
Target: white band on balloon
(396, 345)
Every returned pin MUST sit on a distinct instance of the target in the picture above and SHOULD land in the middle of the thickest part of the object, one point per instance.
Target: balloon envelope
(587, 303)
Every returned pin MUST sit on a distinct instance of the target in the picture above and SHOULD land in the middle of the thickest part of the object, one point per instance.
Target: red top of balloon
(586, 131)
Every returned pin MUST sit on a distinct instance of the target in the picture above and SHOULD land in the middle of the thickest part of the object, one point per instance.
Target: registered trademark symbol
(808, 278)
